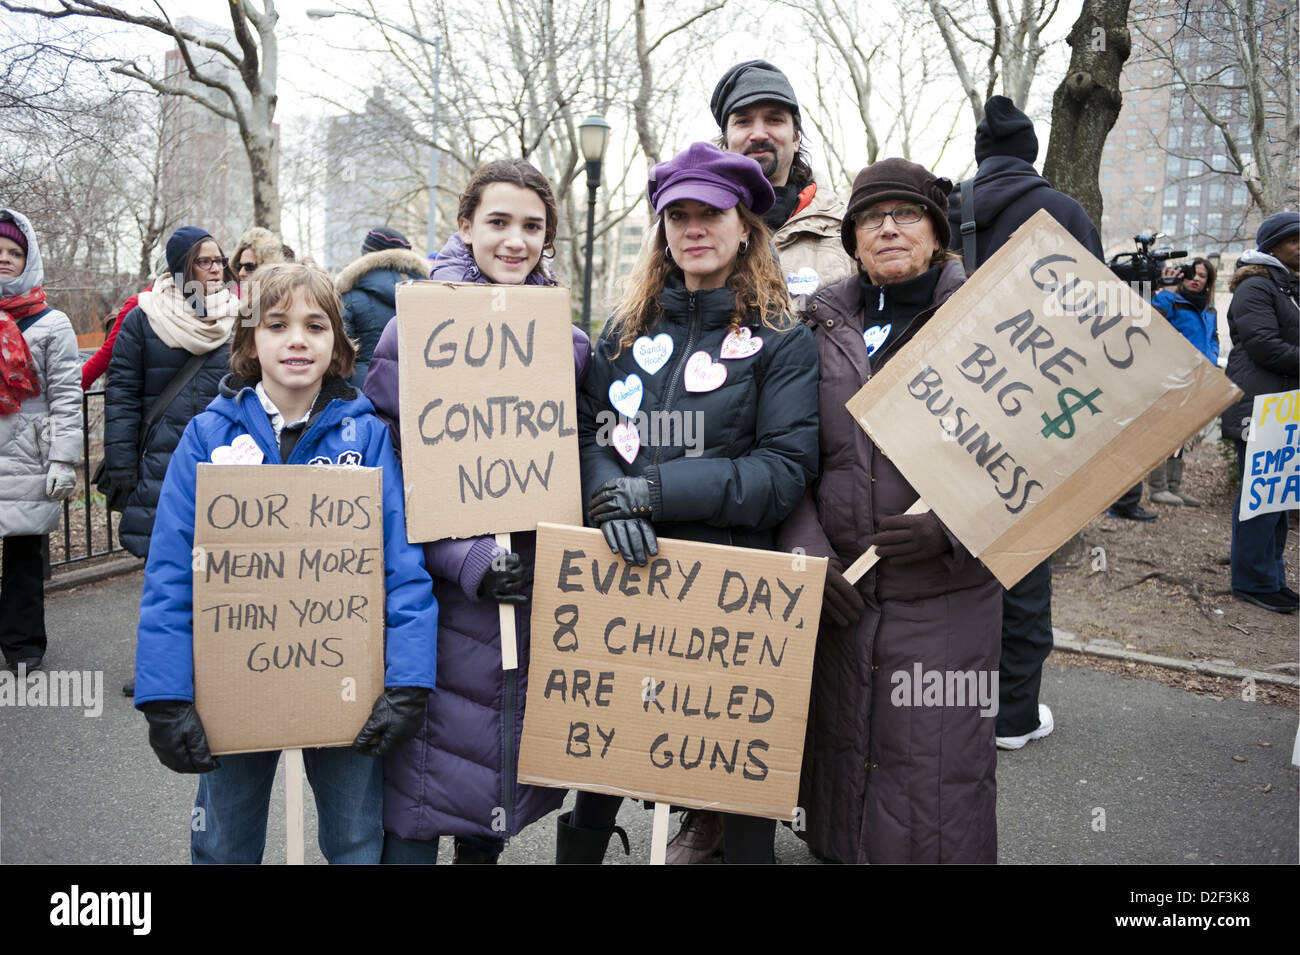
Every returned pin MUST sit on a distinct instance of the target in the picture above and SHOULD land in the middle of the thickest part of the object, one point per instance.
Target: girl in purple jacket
(457, 777)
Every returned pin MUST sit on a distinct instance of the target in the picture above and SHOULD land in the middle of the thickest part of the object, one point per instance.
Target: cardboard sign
(685, 681)
(288, 604)
(1039, 393)
(1272, 479)
(489, 417)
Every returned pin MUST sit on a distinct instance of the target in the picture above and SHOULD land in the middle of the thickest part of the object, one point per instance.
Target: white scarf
(173, 320)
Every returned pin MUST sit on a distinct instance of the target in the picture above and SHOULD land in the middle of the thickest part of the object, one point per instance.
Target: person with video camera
(1188, 304)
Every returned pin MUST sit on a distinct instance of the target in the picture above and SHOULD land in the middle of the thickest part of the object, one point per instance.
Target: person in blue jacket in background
(288, 391)
(1190, 309)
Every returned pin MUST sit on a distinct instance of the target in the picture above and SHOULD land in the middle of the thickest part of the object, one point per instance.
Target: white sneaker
(1045, 727)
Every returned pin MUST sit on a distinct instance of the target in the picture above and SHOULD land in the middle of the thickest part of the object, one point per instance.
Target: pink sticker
(627, 441)
(740, 344)
(703, 373)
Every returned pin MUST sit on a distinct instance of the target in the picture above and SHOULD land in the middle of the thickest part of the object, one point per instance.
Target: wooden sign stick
(509, 641)
(293, 842)
(659, 834)
(869, 559)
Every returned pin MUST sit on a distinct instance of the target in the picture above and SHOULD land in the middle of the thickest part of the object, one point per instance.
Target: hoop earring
(744, 247)
(668, 254)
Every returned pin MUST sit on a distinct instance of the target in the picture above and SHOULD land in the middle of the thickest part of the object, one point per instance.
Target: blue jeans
(229, 824)
(1258, 545)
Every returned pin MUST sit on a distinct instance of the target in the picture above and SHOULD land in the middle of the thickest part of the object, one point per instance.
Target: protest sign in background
(1039, 393)
(288, 604)
(489, 421)
(685, 681)
(1271, 481)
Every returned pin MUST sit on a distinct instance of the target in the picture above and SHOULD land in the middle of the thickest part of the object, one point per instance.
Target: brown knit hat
(898, 179)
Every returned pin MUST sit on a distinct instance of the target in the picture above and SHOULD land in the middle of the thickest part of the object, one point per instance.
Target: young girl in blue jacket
(288, 390)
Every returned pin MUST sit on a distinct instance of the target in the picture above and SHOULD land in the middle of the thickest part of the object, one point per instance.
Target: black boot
(467, 854)
(574, 846)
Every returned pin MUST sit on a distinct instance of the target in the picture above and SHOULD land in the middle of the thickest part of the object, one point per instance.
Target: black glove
(841, 602)
(909, 538)
(397, 715)
(504, 581)
(621, 499)
(177, 737)
(634, 539)
(117, 487)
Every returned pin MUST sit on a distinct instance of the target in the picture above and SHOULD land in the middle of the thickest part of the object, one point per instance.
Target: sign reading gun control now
(288, 604)
(1036, 395)
(489, 421)
(685, 681)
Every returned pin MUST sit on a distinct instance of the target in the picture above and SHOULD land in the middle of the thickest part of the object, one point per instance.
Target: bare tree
(1008, 40)
(1232, 67)
(1087, 102)
(235, 81)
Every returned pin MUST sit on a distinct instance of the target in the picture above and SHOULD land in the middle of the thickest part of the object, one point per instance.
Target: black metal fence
(88, 529)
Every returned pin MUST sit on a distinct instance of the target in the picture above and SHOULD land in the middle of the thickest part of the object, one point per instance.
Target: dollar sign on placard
(1056, 426)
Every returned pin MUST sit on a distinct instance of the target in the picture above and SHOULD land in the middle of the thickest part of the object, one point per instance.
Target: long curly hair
(756, 284)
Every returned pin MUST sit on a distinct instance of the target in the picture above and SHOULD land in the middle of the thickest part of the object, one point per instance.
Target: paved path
(1157, 762)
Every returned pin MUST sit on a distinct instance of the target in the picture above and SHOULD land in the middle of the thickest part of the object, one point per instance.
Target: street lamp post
(436, 43)
(593, 134)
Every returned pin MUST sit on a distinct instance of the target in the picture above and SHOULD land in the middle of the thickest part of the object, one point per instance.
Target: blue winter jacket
(368, 288)
(1200, 327)
(164, 660)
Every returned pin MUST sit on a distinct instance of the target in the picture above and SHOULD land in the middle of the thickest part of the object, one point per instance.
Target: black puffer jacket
(141, 369)
(1264, 321)
(756, 433)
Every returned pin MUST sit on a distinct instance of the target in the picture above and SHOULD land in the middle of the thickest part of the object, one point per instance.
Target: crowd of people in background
(747, 240)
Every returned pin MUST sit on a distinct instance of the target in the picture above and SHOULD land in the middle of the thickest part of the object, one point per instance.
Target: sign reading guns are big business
(489, 418)
(1036, 395)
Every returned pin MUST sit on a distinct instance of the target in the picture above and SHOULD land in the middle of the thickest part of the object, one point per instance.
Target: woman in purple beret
(704, 336)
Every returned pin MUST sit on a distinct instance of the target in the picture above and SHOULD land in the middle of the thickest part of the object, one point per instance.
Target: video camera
(1142, 268)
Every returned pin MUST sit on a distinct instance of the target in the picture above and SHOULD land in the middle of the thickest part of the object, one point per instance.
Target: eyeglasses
(906, 214)
(246, 267)
(208, 261)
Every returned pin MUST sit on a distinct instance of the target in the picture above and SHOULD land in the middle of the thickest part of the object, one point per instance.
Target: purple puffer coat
(451, 779)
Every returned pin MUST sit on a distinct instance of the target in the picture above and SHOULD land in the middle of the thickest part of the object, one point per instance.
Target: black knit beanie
(1005, 131)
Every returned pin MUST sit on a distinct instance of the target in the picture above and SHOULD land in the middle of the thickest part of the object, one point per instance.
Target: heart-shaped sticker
(875, 336)
(625, 395)
(243, 450)
(627, 441)
(804, 282)
(741, 343)
(652, 353)
(703, 373)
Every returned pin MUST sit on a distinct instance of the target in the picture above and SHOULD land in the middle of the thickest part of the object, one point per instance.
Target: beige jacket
(808, 245)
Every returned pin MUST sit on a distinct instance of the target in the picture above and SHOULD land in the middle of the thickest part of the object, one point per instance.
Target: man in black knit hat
(1004, 194)
(758, 115)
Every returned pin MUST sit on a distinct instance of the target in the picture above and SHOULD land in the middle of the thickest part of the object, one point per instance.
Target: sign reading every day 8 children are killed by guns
(489, 418)
(1271, 478)
(1036, 395)
(685, 681)
(288, 604)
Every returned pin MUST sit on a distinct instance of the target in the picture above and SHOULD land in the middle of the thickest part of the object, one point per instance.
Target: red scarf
(18, 376)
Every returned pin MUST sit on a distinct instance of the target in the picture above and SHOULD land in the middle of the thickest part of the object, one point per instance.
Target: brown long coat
(884, 782)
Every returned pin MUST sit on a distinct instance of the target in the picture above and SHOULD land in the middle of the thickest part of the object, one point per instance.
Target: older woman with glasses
(884, 781)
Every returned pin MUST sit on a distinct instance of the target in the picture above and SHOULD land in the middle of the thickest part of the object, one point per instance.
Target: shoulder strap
(179, 381)
(969, 259)
(26, 323)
